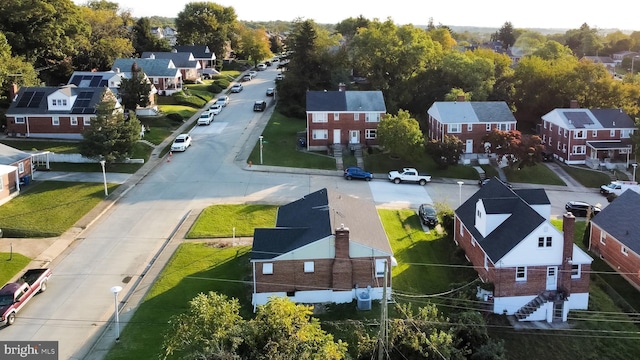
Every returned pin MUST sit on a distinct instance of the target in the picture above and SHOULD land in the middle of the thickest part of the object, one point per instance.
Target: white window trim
(603, 238)
(624, 251)
(577, 133)
(524, 277)
(323, 132)
(55, 121)
(86, 121)
(356, 116)
(469, 127)
(486, 262)
(319, 118)
(73, 121)
(488, 127)
(380, 267)
(368, 132)
(336, 116)
(576, 276)
(612, 133)
(20, 120)
(454, 128)
(594, 133)
(309, 267)
(20, 167)
(267, 268)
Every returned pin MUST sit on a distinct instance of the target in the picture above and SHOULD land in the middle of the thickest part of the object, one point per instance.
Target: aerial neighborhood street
(125, 241)
(204, 187)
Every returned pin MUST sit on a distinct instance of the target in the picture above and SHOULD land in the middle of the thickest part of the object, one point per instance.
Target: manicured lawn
(221, 220)
(49, 208)
(538, 174)
(185, 111)
(194, 268)
(380, 162)
(58, 147)
(11, 264)
(280, 146)
(586, 177)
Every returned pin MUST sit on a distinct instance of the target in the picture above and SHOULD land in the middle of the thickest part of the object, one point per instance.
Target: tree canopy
(401, 135)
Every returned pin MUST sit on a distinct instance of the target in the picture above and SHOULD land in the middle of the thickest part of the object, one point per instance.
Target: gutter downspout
(254, 286)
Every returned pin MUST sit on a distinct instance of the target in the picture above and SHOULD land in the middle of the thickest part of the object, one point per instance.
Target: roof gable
(465, 112)
(200, 52)
(594, 119)
(183, 60)
(151, 67)
(33, 100)
(620, 220)
(498, 198)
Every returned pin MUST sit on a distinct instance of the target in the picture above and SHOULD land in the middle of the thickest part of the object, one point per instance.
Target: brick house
(325, 247)
(163, 73)
(62, 112)
(594, 137)
(606, 61)
(537, 272)
(344, 118)
(469, 121)
(184, 61)
(15, 171)
(619, 56)
(614, 236)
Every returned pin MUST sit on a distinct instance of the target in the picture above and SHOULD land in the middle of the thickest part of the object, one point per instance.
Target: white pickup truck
(408, 175)
(618, 187)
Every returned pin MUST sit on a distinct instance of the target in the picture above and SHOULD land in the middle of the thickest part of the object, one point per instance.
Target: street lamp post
(115, 290)
(261, 137)
(460, 192)
(635, 165)
(104, 177)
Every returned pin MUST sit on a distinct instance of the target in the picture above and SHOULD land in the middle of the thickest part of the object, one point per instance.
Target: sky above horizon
(547, 14)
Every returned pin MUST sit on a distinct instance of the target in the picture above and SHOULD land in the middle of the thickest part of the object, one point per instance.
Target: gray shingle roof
(152, 67)
(89, 97)
(593, 119)
(346, 101)
(465, 112)
(200, 52)
(499, 199)
(315, 217)
(9, 155)
(181, 60)
(620, 220)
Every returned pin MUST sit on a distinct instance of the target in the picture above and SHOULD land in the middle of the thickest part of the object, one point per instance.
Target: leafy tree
(515, 147)
(442, 35)
(13, 69)
(253, 44)
(206, 23)
(349, 27)
(551, 50)
(210, 329)
(446, 152)
(584, 41)
(528, 42)
(401, 135)
(143, 40)
(506, 35)
(110, 137)
(46, 33)
(135, 91)
(284, 330)
(275, 44)
(469, 72)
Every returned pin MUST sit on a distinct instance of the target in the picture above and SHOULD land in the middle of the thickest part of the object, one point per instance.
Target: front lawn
(58, 147)
(11, 264)
(221, 221)
(49, 208)
(382, 162)
(587, 177)
(537, 174)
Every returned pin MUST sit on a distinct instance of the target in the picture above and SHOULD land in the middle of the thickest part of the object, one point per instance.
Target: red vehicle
(14, 296)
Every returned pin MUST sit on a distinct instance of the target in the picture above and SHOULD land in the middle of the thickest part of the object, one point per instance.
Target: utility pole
(383, 339)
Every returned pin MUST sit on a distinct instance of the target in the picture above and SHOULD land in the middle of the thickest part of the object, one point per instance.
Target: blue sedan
(354, 172)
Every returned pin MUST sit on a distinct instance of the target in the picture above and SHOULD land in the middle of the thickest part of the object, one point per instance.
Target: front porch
(606, 155)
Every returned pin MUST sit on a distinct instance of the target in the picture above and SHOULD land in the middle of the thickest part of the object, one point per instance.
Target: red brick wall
(289, 275)
(44, 125)
(611, 251)
(345, 123)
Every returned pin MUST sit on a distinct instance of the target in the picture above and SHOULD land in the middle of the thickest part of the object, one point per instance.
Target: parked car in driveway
(354, 172)
(580, 208)
(181, 143)
(236, 88)
(428, 215)
(259, 105)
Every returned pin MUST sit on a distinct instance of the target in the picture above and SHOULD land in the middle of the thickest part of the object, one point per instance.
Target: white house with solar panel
(62, 112)
(598, 138)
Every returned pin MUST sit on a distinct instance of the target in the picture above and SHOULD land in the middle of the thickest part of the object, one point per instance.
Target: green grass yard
(223, 221)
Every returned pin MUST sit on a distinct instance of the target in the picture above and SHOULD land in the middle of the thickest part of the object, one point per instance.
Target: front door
(336, 136)
(469, 147)
(354, 137)
(552, 278)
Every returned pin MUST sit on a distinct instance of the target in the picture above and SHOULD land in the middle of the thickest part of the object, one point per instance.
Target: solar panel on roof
(82, 103)
(25, 99)
(85, 95)
(103, 83)
(76, 110)
(35, 100)
(578, 119)
(95, 81)
(89, 111)
(76, 80)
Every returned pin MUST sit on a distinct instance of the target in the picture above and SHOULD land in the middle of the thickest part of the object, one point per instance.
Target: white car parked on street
(181, 143)
(205, 118)
(215, 109)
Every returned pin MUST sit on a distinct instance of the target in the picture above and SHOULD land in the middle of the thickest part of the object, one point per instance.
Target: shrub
(223, 82)
(214, 88)
(175, 117)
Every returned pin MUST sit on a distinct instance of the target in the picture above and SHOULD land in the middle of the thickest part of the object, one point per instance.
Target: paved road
(121, 246)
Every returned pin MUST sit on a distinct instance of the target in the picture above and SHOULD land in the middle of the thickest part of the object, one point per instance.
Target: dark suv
(580, 208)
(428, 215)
(259, 105)
(354, 172)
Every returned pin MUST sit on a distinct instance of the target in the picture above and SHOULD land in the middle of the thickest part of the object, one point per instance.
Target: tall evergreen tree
(135, 91)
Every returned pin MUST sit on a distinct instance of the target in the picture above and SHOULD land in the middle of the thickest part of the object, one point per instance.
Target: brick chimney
(573, 104)
(342, 87)
(461, 98)
(568, 228)
(13, 91)
(342, 271)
